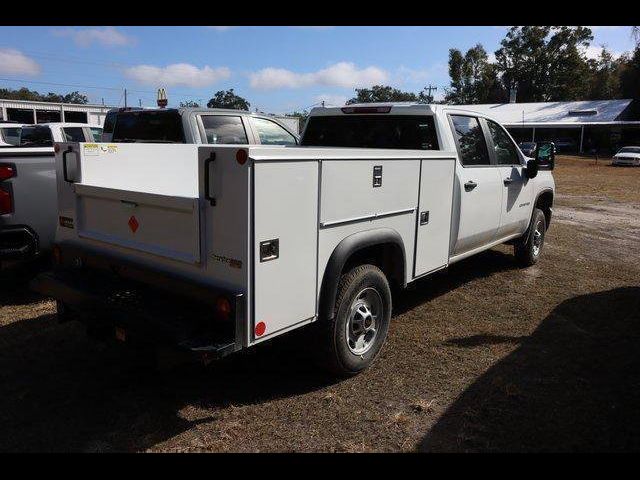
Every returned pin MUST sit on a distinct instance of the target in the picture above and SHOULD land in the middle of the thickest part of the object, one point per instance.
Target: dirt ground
(483, 357)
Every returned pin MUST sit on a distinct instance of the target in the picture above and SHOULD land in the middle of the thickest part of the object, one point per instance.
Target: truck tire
(358, 329)
(528, 250)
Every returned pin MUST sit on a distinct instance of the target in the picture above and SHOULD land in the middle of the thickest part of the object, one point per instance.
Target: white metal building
(582, 126)
(26, 111)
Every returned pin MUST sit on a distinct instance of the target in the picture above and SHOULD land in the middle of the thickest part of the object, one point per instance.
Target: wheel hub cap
(537, 239)
(361, 329)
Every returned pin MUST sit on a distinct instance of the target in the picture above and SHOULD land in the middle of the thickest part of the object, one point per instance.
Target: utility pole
(140, 102)
(430, 88)
(125, 98)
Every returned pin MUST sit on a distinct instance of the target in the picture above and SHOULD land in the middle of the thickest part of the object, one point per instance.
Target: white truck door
(479, 184)
(434, 215)
(517, 189)
(285, 206)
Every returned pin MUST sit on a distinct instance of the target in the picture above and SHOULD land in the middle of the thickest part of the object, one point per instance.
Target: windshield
(527, 144)
(408, 132)
(161, 126)
(36, 136)
(10, 135)
(630, 150)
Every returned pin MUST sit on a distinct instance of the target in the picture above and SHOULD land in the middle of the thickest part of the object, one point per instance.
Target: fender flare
(341, 253)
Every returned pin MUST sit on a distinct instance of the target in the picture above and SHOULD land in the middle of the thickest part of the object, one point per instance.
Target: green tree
(228, 99)
(382, 93)
(630, 74)
(32, 95)
(473, 78)
(545, 63)
(189, 104)
(605, 77)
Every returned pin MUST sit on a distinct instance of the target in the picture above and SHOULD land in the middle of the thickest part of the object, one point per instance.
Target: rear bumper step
(143, 313)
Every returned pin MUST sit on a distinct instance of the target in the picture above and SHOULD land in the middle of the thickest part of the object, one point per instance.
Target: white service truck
(249, 242)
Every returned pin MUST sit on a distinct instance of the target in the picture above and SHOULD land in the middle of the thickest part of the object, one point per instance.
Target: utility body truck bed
(260, 240)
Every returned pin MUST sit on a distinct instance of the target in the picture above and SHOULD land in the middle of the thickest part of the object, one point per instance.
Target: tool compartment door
(285, 207)
(433, 222)
(162, 225)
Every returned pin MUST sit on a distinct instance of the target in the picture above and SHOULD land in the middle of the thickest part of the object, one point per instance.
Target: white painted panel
(436, 197)
(164, 169)
(160, 225)
(348, 192)
(285, 208)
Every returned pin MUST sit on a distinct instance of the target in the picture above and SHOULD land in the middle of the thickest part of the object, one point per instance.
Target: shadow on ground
(574, 384)
(60, 391)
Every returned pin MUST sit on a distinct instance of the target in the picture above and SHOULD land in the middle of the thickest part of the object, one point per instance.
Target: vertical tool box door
(285, 207)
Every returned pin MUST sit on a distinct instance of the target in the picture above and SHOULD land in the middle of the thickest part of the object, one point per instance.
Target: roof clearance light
(162, 98)
(242, 156)
(366, 109)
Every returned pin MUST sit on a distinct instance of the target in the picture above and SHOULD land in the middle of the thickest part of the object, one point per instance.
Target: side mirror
(546, 155)
(532, 168)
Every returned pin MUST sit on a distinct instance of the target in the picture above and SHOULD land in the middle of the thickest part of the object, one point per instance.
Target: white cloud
(106, 36)
(14, 62)
(611, 27)
(183, 74)
(342, 74)
(330, 100)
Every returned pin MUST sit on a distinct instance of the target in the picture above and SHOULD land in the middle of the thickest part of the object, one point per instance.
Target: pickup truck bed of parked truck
(28, 211)
(256, 241)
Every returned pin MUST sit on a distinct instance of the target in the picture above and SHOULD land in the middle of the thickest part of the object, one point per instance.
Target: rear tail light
(57, 255)
(7, 170)
(6, 202)
(366, 109)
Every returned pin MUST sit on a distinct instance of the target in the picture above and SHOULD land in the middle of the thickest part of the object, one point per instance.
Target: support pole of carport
(581, 137)
(533, 135)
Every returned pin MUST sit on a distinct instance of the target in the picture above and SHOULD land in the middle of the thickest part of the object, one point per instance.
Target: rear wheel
(358, 329)
(528, 251)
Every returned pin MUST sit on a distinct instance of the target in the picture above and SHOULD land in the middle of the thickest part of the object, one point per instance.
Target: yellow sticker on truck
(90, 149)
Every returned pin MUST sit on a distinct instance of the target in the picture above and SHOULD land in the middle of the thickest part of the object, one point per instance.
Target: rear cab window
(149, 126)
(36, 136)
(224, 130)
(97, 134)
(407, 132)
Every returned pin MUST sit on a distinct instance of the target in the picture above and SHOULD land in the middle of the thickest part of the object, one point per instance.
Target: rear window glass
(414, 132)
(110, 122)
(36, 137)
(10, 135)
(224, 129)
(271, 133)
(149, 126)
(73, 134)
(97, 134)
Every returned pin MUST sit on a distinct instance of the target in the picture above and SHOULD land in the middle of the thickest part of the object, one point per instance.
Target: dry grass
(483, 357)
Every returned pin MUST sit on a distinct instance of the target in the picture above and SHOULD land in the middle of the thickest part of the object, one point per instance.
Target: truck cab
(213, 126)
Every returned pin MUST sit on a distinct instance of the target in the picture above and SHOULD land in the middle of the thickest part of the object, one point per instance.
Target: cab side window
(73, 134)
(470, 138)
(224, 130)
(506, 151)
(271, 133)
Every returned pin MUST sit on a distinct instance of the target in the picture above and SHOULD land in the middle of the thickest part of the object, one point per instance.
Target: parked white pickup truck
(10, 134)
(28, 211)
(248, 243)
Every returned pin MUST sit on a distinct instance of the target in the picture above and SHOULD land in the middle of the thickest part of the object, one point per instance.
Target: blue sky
(278, 69)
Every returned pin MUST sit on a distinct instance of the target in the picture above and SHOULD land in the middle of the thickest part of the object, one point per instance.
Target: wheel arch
(544, 201)
(382, 247)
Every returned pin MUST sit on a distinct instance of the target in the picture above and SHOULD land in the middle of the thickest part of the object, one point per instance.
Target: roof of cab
(398, 108)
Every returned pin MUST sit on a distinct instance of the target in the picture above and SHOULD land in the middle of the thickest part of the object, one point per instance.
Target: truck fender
(341, 254)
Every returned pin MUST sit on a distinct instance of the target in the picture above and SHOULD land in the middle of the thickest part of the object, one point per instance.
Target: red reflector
(56, 148)
(241, 156)
(133, 223)
(7, 171)
(57, 255)
(223, 306)
(366, 109)
(261, 327)
(6, 203)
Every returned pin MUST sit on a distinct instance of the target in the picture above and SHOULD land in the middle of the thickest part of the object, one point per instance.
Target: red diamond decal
(133, 224)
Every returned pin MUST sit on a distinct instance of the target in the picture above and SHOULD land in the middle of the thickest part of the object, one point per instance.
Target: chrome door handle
(508, 181)
(470, 185)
